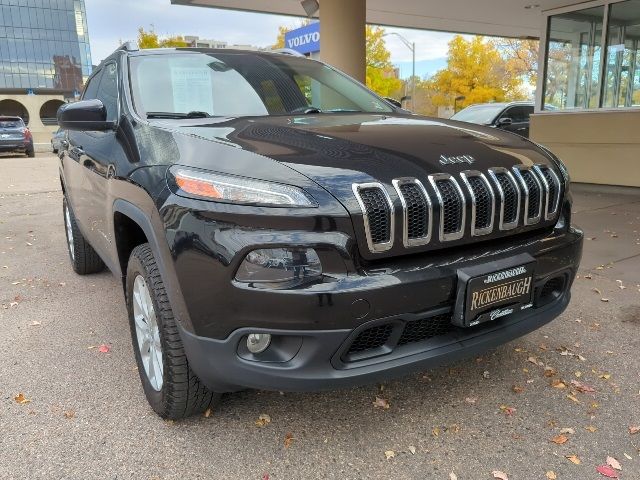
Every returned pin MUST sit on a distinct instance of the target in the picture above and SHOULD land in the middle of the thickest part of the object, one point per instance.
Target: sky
(111, 22)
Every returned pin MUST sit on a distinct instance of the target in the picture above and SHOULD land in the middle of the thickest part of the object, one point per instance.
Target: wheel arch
(133, 227)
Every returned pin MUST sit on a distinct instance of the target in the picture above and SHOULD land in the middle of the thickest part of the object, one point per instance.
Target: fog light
(258, 342)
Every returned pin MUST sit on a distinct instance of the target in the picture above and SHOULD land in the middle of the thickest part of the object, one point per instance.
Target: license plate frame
(502, 288)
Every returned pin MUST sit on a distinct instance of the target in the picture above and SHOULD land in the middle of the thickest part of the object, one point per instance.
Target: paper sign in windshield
(192, 90)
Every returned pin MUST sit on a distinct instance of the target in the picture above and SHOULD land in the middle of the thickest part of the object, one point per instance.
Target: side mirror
(89, 115)
(505, 122)
(393, 102)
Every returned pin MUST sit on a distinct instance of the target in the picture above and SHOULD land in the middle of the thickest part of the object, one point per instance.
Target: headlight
(242, 190)
(280, 267)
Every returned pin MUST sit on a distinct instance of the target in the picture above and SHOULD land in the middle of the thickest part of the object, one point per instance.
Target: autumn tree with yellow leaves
(150, 39)
(477, 71)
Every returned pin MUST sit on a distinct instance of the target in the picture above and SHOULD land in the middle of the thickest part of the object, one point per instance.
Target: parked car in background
(512, 117)
(57, 140)
(268, 235)
(15, 137)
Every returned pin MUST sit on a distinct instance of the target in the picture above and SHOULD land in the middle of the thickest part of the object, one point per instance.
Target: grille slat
(451, 207)
(534, 195)
(510, 202)
(417, 216)
(377, 214)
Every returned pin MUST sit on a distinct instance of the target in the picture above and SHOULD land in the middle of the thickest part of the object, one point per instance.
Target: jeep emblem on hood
(444, 160)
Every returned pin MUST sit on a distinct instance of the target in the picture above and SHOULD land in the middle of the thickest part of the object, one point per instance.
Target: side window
(92, 87)
(518, 114)
(108, 91)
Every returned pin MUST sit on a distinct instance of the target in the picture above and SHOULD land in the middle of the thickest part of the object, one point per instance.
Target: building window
(590, 64)
(573, 59)
(622, 71)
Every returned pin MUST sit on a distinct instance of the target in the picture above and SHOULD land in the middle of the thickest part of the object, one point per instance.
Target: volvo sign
(305, 39)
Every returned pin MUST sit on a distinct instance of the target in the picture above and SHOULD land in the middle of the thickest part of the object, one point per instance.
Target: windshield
(479, 113)
(10, 123)
(243, 84)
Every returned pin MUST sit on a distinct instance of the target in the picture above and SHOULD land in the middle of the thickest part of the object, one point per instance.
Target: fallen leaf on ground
(35, 323)
(517, 389)
(69, 414)
(634, 429)
(288, 440)
(551, 475)
(560, 439)
(263, 420)
(381, 403)
(558, 384)
(607, 471)
(627, 456)
(453, 476)
(604, 300)
(265, 476)
(471, 400)
(591, 428)
(500, 475)
(573, 398)
(389, 454)
(613, 463)
(104, 348)
(597, 290)
(573, 459)
(549, 372)
(207, 413)
(581, 387)
(412, 449)
(569, 431)
(21, 399)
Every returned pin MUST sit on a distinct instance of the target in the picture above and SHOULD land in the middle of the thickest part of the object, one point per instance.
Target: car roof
(7, 118)
(503, 104)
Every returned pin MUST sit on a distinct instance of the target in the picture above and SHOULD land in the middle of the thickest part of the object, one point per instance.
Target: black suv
(512, 117)
(15, 137)
(276, 225)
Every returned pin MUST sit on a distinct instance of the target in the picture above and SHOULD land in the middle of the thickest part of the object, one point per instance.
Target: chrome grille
(377, 210)
(452, 206)
(417, 211)
(483, 200)
(551, 184)
(532, 190)
(499, 199)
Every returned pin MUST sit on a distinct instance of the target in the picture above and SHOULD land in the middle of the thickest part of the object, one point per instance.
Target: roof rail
(129, 47)
(287, 51)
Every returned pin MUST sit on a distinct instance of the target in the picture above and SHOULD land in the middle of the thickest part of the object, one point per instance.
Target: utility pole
(411, 46)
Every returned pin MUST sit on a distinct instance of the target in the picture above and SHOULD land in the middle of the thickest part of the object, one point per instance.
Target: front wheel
(84, 258)
(172, 389)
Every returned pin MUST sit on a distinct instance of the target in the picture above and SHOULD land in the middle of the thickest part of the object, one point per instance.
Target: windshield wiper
(192, 114)
(342, 110)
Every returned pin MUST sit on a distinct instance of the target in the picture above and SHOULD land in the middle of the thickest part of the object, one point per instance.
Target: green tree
(475, 70)
(150, 39)
(283, 30)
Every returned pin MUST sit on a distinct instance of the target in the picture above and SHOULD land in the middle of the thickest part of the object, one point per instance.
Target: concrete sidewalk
(87, 416)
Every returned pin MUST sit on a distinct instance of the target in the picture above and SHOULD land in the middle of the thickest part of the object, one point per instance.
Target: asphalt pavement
(553, 404)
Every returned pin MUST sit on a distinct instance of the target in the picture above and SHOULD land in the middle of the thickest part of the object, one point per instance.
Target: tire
(84, 258)
(177, 392)
(31, 153)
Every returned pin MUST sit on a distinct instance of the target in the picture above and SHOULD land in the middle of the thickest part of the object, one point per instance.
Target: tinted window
(108, 90)
(518, 114)
(91, 88)
(236, 84)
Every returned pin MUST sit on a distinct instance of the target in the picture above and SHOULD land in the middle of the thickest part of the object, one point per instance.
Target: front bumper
(218, 365)
(323, 326)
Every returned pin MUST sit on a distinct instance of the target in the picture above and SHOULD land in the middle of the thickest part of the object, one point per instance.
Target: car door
(93, 152)
(519, 115)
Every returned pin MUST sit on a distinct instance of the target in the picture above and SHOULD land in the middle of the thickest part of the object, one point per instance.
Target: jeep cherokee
(278, 226)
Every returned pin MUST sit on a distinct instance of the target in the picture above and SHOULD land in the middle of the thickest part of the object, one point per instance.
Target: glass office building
(44, 44)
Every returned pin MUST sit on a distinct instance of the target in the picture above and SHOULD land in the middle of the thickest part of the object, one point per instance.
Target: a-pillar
(343, 35)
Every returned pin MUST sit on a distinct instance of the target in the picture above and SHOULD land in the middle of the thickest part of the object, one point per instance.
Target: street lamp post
(411, 46)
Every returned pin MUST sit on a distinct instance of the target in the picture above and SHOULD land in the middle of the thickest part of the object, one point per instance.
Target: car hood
(338, 150)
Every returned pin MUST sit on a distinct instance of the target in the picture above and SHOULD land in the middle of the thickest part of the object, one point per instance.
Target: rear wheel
(31, 153)
(84, 258)
(172, 389)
